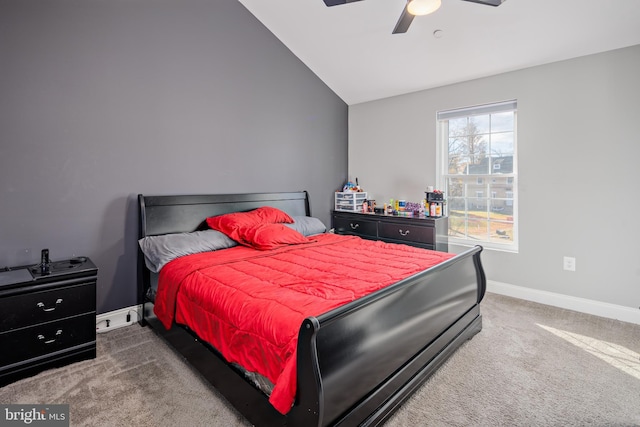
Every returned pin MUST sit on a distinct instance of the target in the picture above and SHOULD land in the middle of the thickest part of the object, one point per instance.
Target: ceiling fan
(415, 8)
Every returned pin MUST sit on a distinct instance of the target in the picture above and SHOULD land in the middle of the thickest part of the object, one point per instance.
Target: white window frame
(512, 179)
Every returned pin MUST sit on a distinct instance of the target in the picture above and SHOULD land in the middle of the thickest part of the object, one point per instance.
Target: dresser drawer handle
(52, 340)
(41, 305)
(354, 226)
(403, 233)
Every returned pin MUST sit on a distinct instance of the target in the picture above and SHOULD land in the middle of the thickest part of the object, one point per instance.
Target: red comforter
(249, 304)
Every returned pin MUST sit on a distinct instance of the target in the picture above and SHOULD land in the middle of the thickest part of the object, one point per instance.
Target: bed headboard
(186, 213)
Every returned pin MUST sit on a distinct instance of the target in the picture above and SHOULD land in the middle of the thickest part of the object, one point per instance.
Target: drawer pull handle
(52, 340)
(42, 306)
(403, 233)
(354, 226)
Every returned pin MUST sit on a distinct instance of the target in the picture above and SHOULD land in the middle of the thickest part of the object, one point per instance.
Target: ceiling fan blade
(338, 2)
(488, 2)
(403, 23)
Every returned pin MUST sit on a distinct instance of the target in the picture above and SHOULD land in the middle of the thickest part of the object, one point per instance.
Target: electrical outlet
(569, 263)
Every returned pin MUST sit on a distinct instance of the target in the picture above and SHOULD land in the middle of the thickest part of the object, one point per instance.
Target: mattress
(249, 304)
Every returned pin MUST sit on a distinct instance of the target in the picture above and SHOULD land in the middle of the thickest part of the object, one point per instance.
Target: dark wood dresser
(428, 233)
(47, 318)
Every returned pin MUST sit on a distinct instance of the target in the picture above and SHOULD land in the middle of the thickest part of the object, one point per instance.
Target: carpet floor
(531, 365)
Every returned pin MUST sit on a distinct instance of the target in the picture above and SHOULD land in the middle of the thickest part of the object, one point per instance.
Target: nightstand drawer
(360, 227)
(40, 340)
(28, 309)
(407, 233)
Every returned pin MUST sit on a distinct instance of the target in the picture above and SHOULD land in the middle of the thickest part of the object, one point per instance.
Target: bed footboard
(357, 363)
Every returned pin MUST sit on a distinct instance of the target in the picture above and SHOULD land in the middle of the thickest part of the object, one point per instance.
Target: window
(478, 166)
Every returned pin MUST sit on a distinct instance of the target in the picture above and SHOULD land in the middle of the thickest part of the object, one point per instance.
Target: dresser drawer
(28, 309)
(40, 340)
(361, 227)
(407, 233)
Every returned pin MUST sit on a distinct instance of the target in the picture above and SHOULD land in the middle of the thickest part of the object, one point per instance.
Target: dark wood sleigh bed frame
(357, 363)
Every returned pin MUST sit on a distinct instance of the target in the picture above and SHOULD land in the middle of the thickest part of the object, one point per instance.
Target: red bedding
(249, 304)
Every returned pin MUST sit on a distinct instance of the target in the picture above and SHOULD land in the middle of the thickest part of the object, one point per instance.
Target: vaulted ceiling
(351, 47)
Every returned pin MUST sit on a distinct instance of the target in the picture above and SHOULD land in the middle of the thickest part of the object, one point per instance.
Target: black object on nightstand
(47, 316)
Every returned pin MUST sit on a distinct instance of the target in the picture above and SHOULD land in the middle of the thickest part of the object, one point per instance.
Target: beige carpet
(532, 365)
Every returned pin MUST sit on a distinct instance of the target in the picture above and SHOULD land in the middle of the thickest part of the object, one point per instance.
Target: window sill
(513, 248)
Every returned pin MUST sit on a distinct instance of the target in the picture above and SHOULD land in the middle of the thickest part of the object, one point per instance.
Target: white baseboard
(106, 322)
(583, 305)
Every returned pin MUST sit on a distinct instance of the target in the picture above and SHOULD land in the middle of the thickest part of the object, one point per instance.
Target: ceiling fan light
(423, 7)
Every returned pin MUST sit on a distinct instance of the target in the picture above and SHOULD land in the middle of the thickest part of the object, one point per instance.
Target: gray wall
(578, 151)
(105, 99)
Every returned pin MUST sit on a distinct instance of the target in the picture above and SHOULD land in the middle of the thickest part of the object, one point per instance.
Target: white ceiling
(351, 48)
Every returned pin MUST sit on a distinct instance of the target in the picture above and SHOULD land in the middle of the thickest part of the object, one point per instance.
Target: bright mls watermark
(34, 415)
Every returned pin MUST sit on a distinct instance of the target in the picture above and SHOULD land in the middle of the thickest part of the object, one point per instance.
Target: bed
(354, 364)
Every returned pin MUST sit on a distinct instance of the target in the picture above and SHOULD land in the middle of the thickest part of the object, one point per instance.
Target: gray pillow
(159, 250)
(307, 225)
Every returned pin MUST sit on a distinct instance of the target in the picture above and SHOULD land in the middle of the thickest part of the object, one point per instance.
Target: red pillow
(249, 228)
(228, 222)
(269, 236)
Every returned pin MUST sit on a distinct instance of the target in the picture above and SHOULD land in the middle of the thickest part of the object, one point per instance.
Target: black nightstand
(47, 318)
